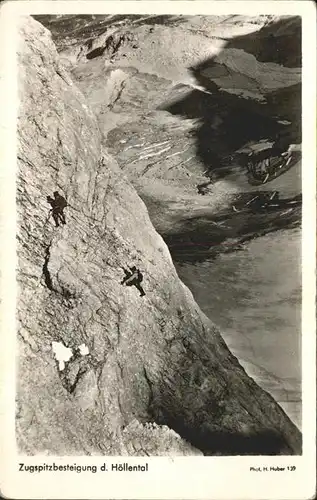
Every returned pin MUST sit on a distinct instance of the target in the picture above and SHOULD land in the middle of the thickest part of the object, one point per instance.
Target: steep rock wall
(152, 359)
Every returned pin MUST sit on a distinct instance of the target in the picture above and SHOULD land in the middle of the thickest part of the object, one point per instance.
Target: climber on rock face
(133, 277)
(58, 203)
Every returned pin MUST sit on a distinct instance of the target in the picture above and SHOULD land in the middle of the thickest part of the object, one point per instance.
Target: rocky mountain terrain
(101, 369)
(180, 102)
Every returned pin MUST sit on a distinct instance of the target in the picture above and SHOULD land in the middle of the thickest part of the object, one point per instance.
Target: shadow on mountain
(278, 42)
(226, 443)
(204, 237)
(229, 121)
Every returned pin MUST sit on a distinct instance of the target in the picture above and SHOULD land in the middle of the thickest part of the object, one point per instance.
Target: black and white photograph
(159, 212)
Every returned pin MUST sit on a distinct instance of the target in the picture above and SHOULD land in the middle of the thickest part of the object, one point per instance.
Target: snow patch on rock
(83, 349)
(62, 354)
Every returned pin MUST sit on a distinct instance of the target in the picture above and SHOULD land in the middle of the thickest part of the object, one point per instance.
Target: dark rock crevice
(46, 273)
(68, 295)
(71, 387)
(117, 98)
(151, 391)
(97, 52)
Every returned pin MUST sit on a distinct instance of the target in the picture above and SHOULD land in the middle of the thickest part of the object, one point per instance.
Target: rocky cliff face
(180, 101)
(101, 369)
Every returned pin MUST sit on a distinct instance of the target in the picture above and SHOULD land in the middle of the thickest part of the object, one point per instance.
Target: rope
(82, 213)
